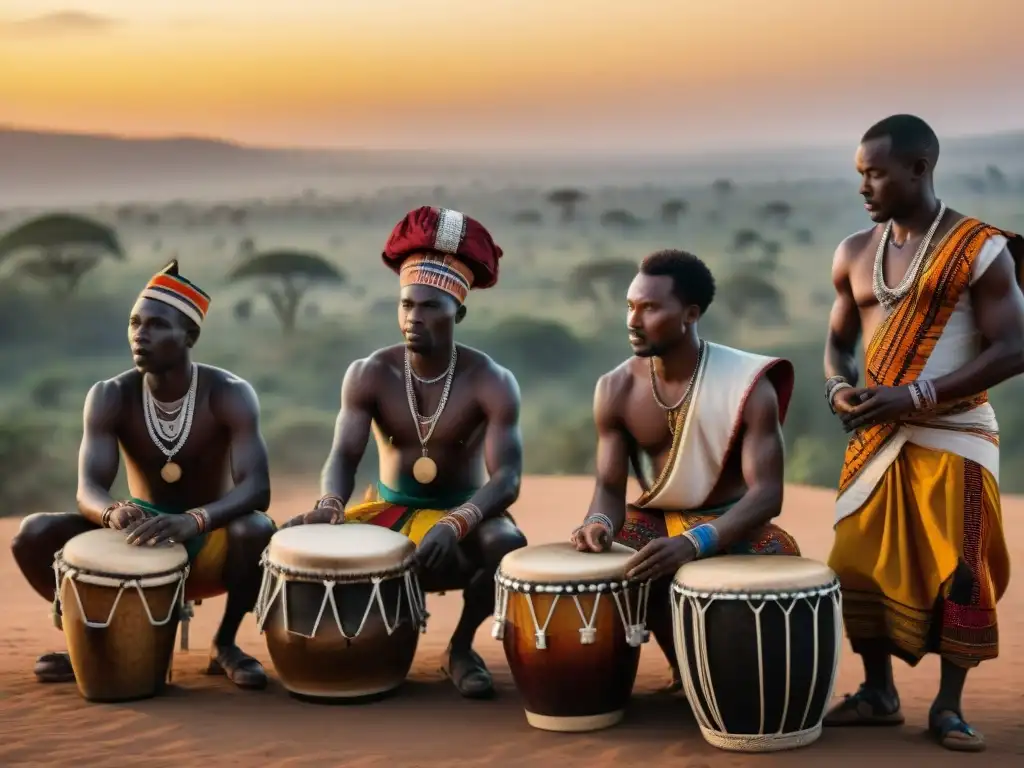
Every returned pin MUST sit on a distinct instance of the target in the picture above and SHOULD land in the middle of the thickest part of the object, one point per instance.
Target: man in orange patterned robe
(919, 546)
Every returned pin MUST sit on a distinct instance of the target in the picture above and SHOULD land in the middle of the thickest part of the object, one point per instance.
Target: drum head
(351, 549)
(107, 551)
(754, 573)
(561, 562)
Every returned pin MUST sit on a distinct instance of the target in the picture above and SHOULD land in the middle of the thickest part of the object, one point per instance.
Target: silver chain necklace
(890, 297)
(689, 386)
(425, 469)
(171, 471)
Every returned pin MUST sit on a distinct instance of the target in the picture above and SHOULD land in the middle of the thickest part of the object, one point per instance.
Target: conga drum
(572, 627)
(341, 609)
(758, 639)
(119, 606)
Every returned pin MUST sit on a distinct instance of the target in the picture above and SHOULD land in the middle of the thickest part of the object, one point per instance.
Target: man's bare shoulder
(369, 370)
(614, 386)
(486, 371)
(855, 246)
(107, 396)
(229, 392)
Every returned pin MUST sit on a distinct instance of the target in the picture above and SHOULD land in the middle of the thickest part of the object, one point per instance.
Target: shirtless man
(919, 545)
(448, 478)
(196, 467)
(712, 488)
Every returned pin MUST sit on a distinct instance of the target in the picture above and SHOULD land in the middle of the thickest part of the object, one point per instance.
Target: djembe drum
(341, 609)
(119, 606)
(758, 639)
(572, 627)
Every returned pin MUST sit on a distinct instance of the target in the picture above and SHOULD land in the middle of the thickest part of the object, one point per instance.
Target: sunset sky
(632, 76)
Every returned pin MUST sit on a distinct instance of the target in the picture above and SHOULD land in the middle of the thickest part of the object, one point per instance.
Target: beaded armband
(923, 395)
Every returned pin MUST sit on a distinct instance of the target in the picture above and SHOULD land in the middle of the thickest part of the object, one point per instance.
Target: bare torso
(857, 264)
(204, 458)
(646, 424)
(456, 444)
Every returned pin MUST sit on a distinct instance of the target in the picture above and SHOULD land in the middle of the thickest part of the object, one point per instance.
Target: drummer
(196, 466)
(701, 425)
(446, 421)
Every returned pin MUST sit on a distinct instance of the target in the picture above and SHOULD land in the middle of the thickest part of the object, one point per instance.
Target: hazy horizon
(510, 76)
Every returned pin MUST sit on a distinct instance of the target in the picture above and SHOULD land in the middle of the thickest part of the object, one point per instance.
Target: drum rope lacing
(636, 632)
(712, 724)
(177, 602)
(267, 597)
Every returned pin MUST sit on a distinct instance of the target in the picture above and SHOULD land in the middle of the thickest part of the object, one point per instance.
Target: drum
(119, 605)
(758, 640)
(341, 609)
(572, 627)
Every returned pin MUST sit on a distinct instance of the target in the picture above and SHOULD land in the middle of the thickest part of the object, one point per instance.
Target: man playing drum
(706, 419)
(196, 465)
(919, 543)
(446, 421)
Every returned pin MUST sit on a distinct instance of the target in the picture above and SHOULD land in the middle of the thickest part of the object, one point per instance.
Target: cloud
(60, 23)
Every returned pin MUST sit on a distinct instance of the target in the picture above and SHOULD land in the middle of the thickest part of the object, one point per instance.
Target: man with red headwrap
(446, 420)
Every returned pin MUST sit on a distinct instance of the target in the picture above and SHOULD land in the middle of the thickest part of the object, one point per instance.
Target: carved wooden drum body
(341, 609)
(572, 627)
(758, 639)
(119, 606)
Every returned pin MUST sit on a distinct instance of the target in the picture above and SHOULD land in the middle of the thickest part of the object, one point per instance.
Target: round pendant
(171, 472)
(424, 470)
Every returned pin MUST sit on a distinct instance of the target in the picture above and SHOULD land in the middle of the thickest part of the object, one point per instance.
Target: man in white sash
(919, 546)
(706, 419)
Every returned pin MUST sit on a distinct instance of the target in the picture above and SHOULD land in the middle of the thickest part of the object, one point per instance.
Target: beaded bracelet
(596, 518)
(109, 511)
(833, 387)
(923, 395)
(704, 538)
(463, 519)
(202, 518)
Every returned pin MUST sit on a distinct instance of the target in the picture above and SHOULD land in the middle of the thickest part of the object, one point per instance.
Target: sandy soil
(206, 721)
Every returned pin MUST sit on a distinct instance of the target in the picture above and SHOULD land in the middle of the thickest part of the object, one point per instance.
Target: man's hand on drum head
(329, 510)
(661, 557)
(163, 529)
(125, 515)
(593, 537)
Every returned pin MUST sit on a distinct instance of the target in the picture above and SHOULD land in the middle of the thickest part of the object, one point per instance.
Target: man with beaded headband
(919, 546)
(196, 466)
(701, 425)
(447, 478)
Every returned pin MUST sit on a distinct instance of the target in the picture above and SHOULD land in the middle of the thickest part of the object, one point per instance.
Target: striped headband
(169, 287)
(441, 271)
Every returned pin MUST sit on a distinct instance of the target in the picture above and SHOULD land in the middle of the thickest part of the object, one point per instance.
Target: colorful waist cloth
(643, 526)
(923, 562)
(192, 546)
(409, 514)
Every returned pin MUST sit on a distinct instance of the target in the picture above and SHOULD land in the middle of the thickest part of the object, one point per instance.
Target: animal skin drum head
(349, 549)
(107, 551)
(561, 561)
(754, 573)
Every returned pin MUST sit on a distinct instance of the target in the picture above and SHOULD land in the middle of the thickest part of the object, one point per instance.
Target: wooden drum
(341, 609)
(119, 606)
(758, 639)
(572, 628)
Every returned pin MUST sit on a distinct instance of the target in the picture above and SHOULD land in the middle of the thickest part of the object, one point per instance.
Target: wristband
(704, 538)
(109, 511)
(832, 388)
(202, 518)
(463, 519)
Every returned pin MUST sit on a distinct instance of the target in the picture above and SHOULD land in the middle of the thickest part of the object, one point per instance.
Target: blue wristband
(706, 538)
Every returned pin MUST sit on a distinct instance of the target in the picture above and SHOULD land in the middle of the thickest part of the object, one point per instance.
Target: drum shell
(568, 679)
(329, 665)
(130, 658)
(736, 662)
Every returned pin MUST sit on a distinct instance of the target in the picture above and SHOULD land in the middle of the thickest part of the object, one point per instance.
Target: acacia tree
(673, 210)
(59, 249)
(603, 282)
(568, 200)
(285, 277)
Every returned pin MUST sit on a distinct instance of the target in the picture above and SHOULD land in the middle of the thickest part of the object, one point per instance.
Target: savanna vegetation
(299, 291)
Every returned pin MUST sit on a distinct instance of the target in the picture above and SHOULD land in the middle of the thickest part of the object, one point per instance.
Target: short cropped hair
(692, 281)
(911, 137)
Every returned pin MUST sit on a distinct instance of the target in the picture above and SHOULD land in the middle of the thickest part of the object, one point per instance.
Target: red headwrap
(453, 252)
